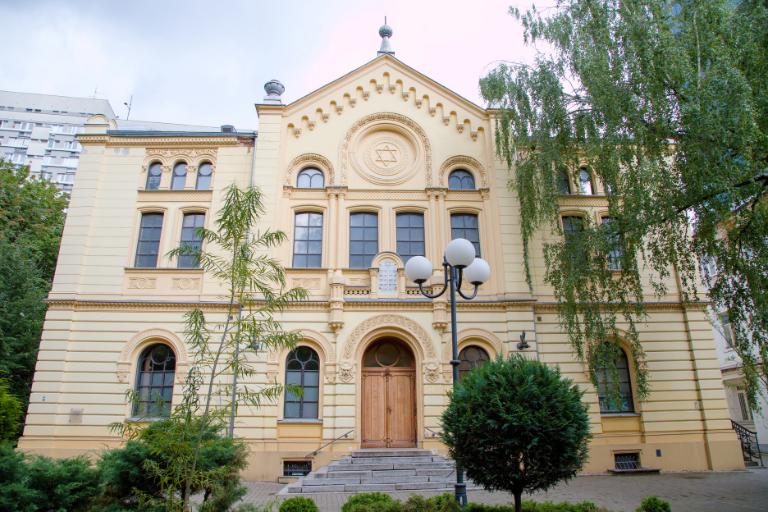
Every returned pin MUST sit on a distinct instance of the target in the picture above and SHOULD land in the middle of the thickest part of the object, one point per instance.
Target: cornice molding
(175, 142)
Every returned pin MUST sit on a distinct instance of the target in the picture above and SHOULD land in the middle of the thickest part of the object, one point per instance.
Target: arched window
(310, 178)
(461, 180)
(471, 357)
(179, 180)
(585, 182)
(302, 369)
(204, 172)
(154, 174)
(613, 398)
(154, 382)
(564, 183)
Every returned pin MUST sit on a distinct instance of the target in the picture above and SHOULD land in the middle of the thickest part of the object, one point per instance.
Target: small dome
(385, 31)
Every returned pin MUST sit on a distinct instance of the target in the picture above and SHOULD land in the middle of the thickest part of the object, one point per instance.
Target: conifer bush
(517, 425)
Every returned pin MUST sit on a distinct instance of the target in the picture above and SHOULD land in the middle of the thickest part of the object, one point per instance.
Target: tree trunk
(518, 501)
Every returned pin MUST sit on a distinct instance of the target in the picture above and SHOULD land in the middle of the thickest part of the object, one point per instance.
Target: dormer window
(310, 178)
(461, 180)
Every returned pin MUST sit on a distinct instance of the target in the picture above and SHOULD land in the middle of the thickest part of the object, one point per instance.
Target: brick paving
(738, 491)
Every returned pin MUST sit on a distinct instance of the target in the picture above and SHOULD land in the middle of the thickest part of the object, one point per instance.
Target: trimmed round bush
(370, 502)
(654, 504)
(517, 425)
(298, 504)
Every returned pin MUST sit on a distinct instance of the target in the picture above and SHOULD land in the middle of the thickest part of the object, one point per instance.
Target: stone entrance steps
(385, 470)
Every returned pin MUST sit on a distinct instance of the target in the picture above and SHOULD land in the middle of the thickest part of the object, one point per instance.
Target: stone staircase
(385, 470)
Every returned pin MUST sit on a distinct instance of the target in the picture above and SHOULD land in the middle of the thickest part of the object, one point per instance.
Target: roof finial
(385, 32)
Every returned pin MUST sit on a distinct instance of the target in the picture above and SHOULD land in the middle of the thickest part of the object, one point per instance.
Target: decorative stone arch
(130, 353)
(482, 338)
(464, 162)
(399, 123)
(405, 328)
(310, 338)
(310, 160)
(386, 255)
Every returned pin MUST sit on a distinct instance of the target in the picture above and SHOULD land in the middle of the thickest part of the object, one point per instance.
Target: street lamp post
(459, 262)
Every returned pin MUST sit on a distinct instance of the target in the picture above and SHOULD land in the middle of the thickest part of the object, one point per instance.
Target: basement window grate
(296, 467)
(627, 461)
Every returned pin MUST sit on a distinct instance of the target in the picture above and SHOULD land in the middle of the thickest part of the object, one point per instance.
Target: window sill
(142, 270)
(136, 419)
(301, 421)
(619, 414)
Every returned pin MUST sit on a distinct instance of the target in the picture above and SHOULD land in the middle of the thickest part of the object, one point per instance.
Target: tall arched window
(302, 369)
(204, 172)
(563, 183)
(585, 182)
(310, 178)
(461, 180)
(154, 174)
(471, 357)
(154, 382)
(614, 398)
(179, 180)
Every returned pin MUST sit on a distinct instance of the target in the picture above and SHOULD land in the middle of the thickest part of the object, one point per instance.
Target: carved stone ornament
(397, 321)
(346, 372)
(142, 283)
(169, 156)
(386, 149)
(432, 372)
(185, 283)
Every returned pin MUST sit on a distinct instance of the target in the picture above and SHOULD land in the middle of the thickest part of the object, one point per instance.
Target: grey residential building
(39, 130)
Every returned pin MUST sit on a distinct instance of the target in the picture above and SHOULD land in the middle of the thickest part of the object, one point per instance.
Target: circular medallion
(385, 154)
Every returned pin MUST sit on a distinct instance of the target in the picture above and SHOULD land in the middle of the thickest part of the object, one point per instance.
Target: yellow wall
(103, 311)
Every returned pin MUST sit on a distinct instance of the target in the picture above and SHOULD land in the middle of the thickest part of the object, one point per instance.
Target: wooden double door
(388, 396)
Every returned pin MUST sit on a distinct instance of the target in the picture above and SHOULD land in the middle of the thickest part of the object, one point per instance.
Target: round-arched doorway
(389, 395)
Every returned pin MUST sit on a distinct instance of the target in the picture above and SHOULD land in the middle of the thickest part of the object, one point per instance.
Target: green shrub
(10, 413)
(654, 504)
(41, 483)
(146, 472)
(298, 504)
(441, 503)
(370, 502)
(532, 506)
(516, 409)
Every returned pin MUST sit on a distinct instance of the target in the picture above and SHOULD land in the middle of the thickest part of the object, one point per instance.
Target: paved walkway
(742, 491)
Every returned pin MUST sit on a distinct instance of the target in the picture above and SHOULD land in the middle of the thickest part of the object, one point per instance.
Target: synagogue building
(376, 167)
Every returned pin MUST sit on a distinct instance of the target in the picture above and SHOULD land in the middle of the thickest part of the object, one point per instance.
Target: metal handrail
(343, 436)
(434, 434)
(750, 447)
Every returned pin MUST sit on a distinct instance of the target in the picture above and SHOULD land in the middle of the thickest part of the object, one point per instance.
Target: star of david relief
(386, 154)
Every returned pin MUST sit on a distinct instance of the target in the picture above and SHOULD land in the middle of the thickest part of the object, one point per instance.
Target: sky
(206, 61)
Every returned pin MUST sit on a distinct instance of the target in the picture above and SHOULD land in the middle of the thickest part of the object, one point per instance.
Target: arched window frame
(586, 186)
(314, 175)
(309, 402)
(207, 180)
(178, 180)
(474, 363)
(461, 179)
(626, 388)
(564, 186)
(157, 401)
(153, 181)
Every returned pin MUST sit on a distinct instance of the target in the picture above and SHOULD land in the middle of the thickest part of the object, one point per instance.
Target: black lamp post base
(461, 494)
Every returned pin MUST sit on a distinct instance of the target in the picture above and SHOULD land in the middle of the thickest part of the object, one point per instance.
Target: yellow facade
(386, 139)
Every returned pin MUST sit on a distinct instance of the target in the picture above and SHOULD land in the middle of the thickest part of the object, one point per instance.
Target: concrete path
(743, 491)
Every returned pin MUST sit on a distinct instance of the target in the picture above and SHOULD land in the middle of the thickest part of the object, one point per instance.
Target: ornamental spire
(385, 31)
